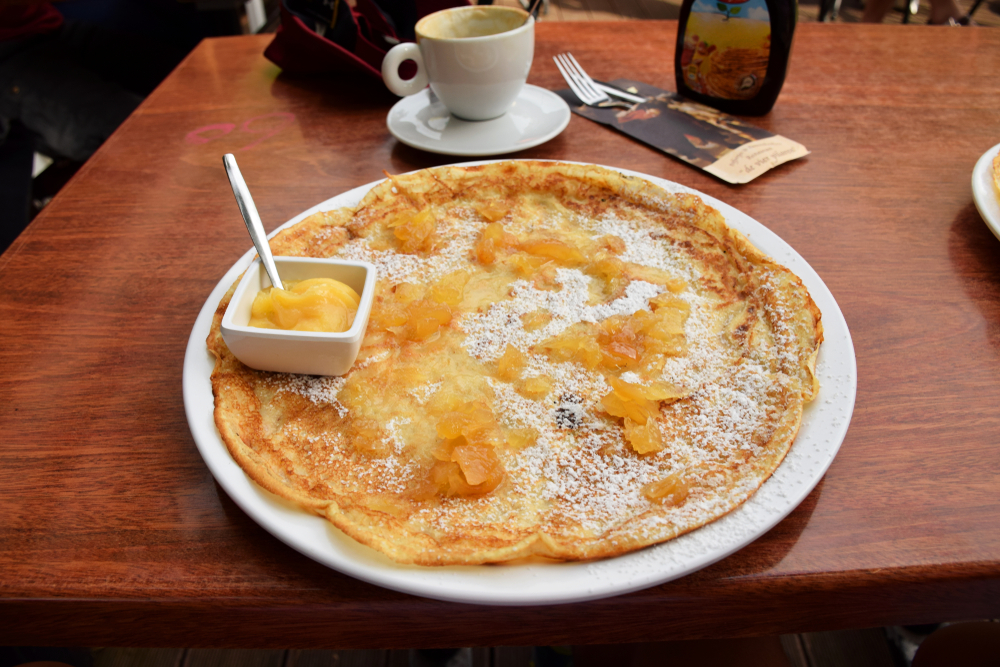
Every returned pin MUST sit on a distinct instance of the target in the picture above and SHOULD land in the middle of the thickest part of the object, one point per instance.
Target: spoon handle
(251, 218)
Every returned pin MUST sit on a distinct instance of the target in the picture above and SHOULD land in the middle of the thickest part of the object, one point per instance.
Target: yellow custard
(317, 304)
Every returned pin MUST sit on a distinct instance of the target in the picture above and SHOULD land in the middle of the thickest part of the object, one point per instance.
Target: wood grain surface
(114, 533)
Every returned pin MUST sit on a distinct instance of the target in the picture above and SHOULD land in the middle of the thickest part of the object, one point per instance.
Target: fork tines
(579, 82)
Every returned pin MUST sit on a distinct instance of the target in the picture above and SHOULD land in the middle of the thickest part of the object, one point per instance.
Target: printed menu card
(724, 146)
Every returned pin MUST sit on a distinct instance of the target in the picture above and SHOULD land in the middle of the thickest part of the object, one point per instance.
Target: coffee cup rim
(528, 23)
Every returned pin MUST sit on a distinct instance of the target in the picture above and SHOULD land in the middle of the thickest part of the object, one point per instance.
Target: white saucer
(984, 193)
(423, 122)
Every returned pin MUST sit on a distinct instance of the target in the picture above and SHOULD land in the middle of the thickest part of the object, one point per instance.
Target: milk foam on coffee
(469, 23)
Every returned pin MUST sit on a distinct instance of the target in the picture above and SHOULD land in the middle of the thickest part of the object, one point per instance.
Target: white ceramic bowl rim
(355, 332)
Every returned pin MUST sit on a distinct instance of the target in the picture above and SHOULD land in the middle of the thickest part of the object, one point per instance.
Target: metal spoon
(251, 218)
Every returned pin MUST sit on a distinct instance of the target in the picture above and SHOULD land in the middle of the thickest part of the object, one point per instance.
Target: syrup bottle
(733, 54)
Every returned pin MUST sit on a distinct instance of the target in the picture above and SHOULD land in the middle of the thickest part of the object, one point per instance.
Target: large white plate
(983, 192)
(824, 426)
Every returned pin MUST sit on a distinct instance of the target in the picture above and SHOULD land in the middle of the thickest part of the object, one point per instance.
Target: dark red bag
(322, 36)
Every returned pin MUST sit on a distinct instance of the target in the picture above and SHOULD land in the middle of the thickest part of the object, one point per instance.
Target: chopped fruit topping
(536, 387)
(612, 244)
(644, 439)
(407, 292)
(479, 463)
(450, 480)
(650, 274)
(415, 233)
(425, 318)
(493, 210)
(526, 265)
(623, 342)
(623, 351)
(442, 452)
(621, 345)
(611, 270)
(411, 375)
(630, 401)
(657, 277)
(654, 391)
(408, 315)
(467, 461)
(387, 315)
(668, 301)
(662, 391)
(671, 490)
(671, 303)
(493, 239)
(536, 319)
(510, 365)
(451, 288)
(415, 320)
(367, 437)
(495, 232)
(486, 252)
(547, 279)
(637, 402)
(474, 421)
(577, 343)
(663, 330)
(555, 249)
(638, 410)
(676, 285)
(519, 438)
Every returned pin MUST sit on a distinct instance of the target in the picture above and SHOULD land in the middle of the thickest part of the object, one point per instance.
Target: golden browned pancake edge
(368, 451)
(996, 176)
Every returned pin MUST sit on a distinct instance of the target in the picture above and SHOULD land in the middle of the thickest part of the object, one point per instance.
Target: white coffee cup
(476, 59)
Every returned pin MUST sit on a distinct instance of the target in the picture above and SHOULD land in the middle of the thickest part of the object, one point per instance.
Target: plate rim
(563, 123)
(983, 193)
(531, 584)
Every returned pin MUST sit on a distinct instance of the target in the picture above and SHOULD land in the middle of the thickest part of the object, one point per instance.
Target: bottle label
(726, 48)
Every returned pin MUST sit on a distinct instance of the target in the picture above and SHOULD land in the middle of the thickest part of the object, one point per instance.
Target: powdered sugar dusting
(394, 437)
(423, 393)
(641, 246)
(784, 335)
(376, 358)
(489, 333)
(707, 356)
(318, 389)
(457, 233)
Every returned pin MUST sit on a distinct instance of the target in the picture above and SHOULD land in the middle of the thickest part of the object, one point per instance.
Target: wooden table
(113, 531)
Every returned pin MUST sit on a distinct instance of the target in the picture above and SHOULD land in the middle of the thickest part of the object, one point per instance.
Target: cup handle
(390, 70)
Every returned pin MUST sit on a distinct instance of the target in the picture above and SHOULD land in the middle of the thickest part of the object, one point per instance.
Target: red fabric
(299, 50)
(17, 21)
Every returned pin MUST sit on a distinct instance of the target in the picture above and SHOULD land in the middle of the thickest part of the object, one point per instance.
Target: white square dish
(306, 352)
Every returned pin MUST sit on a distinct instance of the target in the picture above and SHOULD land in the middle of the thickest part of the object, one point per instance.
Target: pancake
(561, 362)
(996, 176)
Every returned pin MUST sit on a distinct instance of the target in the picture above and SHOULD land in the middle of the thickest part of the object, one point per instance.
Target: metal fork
(586, 89)
(581, 84)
